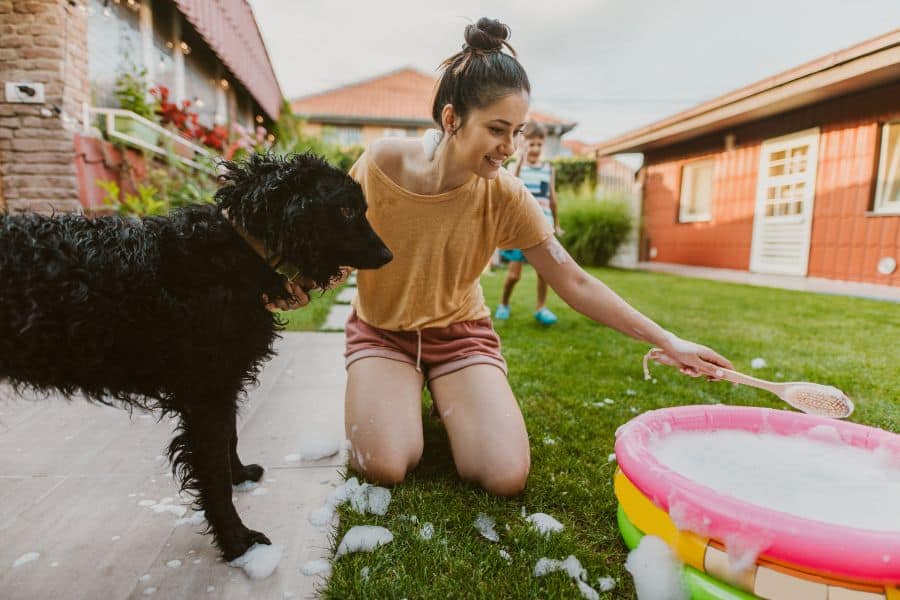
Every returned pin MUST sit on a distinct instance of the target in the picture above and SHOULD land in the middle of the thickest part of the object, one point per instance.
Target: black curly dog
(165, 313)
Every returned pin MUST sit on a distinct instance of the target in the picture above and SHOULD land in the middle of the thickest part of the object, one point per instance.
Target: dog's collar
(281, 266)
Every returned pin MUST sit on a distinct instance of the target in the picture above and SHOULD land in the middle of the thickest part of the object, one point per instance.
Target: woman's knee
(501, 477)
(385, 468)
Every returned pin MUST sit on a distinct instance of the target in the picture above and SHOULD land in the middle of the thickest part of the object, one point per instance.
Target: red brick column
(42, 41)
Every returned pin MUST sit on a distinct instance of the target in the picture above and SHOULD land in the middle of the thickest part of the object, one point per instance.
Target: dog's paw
(247, 473)
(239, 544)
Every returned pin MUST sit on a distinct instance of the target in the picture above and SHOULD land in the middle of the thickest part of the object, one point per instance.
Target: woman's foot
(545, 317)
(502, 312)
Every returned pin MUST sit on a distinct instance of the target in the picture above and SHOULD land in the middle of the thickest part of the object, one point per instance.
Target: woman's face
(490, 134)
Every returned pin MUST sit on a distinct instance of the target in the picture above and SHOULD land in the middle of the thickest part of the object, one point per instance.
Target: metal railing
(108, 116)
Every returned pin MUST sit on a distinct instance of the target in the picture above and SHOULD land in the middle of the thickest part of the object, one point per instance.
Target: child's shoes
(544, 316)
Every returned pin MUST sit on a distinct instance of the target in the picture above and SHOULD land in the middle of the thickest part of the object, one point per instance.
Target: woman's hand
(345, 273)
(298, 299)
(692, 359)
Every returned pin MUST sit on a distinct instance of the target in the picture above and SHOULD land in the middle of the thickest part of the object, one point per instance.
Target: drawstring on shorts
(419, 352)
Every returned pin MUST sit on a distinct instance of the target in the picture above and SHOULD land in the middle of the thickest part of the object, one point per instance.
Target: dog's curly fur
(165, 313)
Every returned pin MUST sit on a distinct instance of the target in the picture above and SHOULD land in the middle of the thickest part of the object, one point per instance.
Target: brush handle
(661, 357)
(736, 377)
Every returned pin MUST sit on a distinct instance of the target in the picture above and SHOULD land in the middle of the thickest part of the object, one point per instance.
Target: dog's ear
(255, 192)
(307, 230)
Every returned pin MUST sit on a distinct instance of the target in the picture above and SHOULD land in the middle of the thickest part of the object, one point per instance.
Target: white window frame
(686, 192)
(887, 173)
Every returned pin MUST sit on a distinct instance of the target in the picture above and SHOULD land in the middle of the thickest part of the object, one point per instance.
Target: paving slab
(346, 295)
(817, 285)
(74, 476)
(337, 318)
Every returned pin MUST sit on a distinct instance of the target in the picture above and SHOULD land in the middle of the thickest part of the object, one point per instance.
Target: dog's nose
(386, 255)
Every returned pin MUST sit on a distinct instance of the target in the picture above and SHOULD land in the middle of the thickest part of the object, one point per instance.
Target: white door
(784, 204)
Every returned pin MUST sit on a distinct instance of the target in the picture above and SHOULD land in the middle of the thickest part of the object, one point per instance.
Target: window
(887, 184)
(696, 191)
(342, 136)
(787, 177)
(162, 55)
(398, 132)
(114, 47)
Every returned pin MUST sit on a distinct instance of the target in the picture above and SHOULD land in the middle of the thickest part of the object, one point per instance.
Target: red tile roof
(578, 147)
(230, 29)
(404, 95)
(548, 119)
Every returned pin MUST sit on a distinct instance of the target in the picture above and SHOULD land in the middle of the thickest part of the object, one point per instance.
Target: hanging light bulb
(198, 102)
(224, 83)
(185, 48)
(259, 119)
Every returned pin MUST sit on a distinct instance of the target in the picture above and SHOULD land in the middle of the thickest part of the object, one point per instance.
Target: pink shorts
(437, 351)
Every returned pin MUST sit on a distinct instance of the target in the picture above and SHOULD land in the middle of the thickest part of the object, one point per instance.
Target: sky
(610, 65)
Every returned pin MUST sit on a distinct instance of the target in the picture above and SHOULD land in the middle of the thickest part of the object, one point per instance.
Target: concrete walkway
(787, 282)
(341, 309)
(73, 477)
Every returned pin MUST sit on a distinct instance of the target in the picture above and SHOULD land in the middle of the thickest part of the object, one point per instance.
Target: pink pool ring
(830, 549)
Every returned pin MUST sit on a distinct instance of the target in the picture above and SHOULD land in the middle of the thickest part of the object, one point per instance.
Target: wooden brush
(812, 398)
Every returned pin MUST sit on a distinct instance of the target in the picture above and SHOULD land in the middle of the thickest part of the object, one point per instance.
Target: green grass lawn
(558, 374)
(312, 316)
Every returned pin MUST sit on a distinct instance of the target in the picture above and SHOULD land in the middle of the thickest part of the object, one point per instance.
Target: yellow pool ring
(767, 579)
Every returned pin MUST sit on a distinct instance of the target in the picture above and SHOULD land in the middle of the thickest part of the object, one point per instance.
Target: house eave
(867, 65)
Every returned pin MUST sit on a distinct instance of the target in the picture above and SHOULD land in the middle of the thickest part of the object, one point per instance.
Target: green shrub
(143, 204)
(165, 189)
(131, 92)
(291, 138)
(594, 229)
(575, 171)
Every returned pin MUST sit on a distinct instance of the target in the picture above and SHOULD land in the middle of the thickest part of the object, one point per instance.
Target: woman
(442, 209)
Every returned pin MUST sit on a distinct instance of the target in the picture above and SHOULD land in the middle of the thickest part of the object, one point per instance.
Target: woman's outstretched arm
(592, 298)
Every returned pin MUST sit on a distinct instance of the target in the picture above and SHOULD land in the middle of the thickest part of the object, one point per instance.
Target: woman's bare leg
(383, 418)
(485, 426)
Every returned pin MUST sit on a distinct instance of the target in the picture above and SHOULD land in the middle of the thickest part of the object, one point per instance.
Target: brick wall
(41, 41)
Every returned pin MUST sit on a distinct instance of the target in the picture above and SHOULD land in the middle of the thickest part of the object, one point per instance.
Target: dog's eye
(346, 212)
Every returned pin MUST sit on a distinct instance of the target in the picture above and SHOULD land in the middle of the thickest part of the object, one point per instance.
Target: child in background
(539, 178)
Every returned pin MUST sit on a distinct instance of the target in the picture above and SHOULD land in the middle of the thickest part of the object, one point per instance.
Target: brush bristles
(823, 400)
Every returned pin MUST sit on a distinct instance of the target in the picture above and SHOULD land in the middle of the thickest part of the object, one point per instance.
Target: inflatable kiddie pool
(772, 503)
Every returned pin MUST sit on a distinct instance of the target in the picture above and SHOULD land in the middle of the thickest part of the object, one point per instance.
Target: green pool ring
(700, 585)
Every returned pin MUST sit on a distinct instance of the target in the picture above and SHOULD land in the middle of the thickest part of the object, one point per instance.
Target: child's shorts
(437, 351)
(514, 255)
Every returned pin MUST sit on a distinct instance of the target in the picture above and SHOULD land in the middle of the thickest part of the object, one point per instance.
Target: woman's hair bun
(487, 35)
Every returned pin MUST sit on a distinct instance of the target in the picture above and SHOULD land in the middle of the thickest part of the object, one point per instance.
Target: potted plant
(177, 119)
(131, 92)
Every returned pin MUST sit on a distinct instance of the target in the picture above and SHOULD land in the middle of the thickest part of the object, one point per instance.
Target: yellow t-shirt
(441, 244)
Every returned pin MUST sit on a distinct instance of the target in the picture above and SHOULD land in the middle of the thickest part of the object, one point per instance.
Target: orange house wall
(846, 240)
